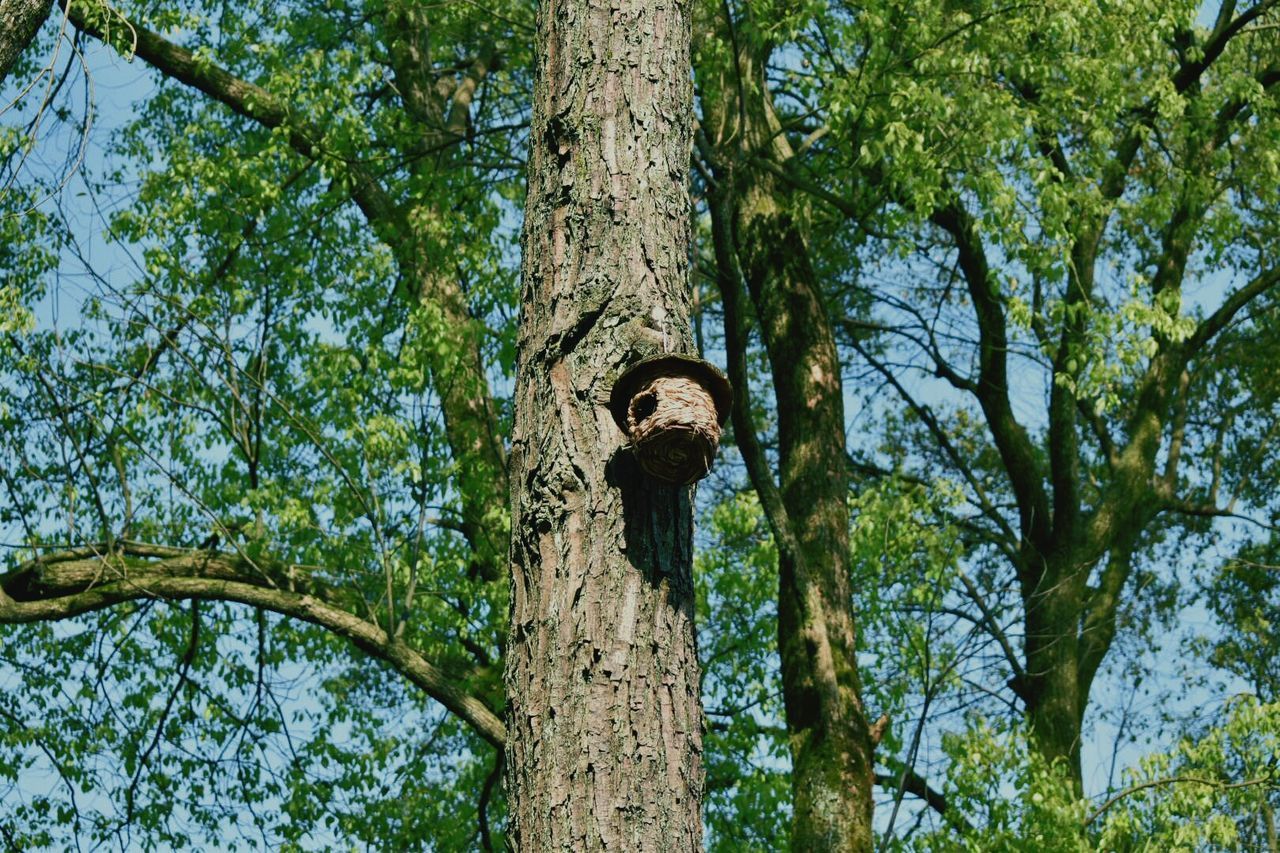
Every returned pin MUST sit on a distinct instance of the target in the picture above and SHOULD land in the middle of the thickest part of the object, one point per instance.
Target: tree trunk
(604, 721)
(831, 749)
(19, 21)
(1054, 699)
(1071, 624)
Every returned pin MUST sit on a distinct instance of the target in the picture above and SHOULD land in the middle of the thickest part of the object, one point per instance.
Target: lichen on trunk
(20, 20)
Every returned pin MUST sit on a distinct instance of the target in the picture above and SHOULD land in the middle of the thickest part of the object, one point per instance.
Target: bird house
(672, 407)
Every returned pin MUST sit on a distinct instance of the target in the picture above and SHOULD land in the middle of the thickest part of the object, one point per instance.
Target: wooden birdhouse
(672, 407)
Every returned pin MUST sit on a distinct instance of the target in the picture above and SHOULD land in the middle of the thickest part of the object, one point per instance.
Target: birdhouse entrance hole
(642, 406)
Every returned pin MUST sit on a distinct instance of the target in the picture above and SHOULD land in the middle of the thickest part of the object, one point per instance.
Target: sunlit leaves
(1218, 790)
(747, 755)
(250, 372)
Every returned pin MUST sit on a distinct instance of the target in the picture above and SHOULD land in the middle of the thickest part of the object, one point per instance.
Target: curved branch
(1226, 313)
(1209, 510)
(70, 583)
(1011, 440)
(1175, 780)
(248, 100)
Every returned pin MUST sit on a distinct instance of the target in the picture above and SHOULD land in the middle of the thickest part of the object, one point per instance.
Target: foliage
(214, 335)
(746, 804)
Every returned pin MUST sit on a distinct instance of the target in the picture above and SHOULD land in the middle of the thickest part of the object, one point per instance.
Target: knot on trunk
(672, 408)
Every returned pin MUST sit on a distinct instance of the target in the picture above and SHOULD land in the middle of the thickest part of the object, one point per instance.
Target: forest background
(996, 285)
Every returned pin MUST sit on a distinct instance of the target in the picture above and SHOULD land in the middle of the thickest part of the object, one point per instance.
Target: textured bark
(831, 746)
(19, 21)
(604, 743)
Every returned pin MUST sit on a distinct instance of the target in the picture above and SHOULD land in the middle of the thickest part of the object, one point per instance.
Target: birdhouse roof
(670, 364)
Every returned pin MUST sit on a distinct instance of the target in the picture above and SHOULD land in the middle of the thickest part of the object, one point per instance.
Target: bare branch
(1209, 510)
(939, 434)
(993, 628)
(916, 785)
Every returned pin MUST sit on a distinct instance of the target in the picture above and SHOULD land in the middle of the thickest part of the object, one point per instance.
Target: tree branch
(247, 100)
(70, 583)
(1098, 620)
(993, 628)
(184, 668)
(1224, 30)
(1177, 436)
(442, 106)
(1174, 780)
(20, 20)
(1012, 442)
(1188, 75)
(1223, 316)
(916, 785)
(939, 434)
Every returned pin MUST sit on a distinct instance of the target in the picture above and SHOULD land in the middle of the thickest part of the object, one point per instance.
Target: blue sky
(113, 87)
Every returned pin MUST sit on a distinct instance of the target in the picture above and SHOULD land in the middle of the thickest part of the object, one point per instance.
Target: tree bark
(19, 21)
(831, 747)
(604, 721)
(830, 740)
(1054, 695)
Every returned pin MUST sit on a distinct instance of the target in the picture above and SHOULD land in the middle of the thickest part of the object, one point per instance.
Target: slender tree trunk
(604, 721)
(19, 21)
(831, 746)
